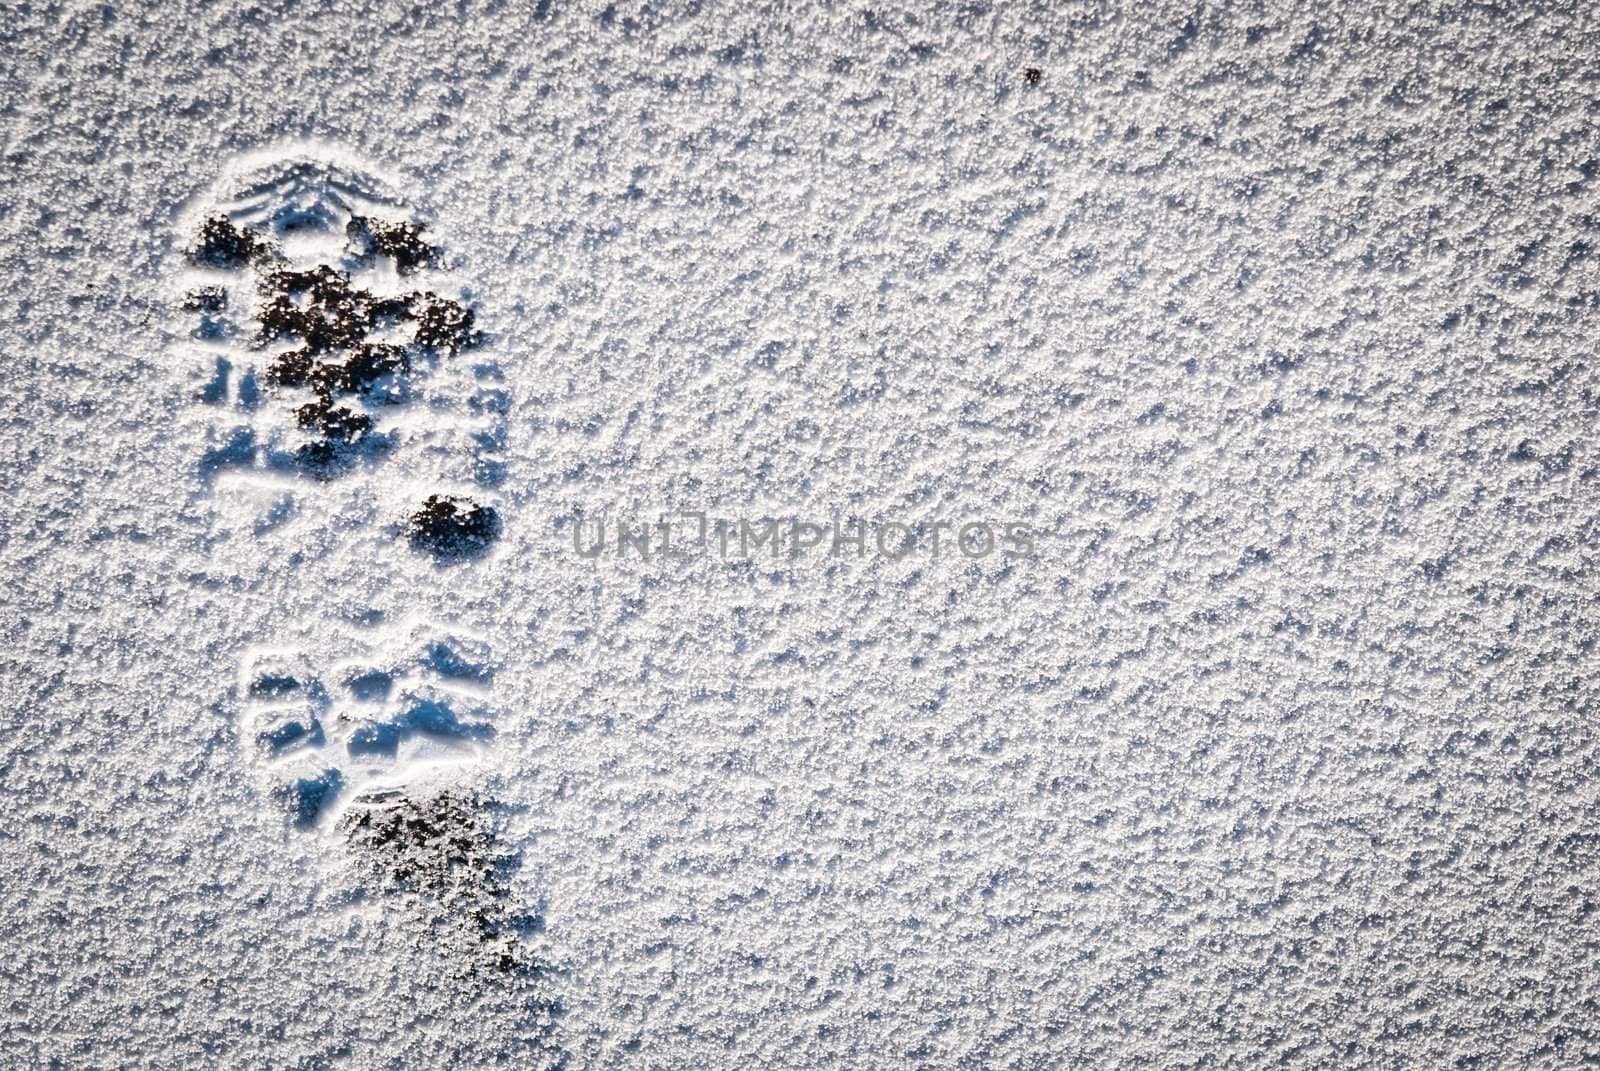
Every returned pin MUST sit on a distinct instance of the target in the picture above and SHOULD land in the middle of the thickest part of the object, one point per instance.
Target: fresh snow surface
(1264, 736)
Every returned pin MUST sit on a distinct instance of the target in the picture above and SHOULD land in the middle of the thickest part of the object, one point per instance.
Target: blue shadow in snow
(429, 717)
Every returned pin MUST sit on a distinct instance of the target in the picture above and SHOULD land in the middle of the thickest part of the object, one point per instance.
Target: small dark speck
(1032, 75)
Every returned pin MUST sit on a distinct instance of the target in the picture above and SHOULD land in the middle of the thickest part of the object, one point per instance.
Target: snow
(1275, 327)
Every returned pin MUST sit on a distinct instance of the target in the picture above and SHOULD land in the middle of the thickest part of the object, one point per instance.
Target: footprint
(332, 344)
(348, 393)
(382, 710)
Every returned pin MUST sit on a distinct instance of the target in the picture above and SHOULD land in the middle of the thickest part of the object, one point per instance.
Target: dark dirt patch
(444, 326)
(400, 242)
(448, 527)
(223, 245)
(440, 849)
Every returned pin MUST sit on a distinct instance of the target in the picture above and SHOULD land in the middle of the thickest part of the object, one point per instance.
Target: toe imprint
(330, 342)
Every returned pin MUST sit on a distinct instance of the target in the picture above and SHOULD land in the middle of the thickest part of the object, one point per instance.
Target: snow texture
(1274, 324)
